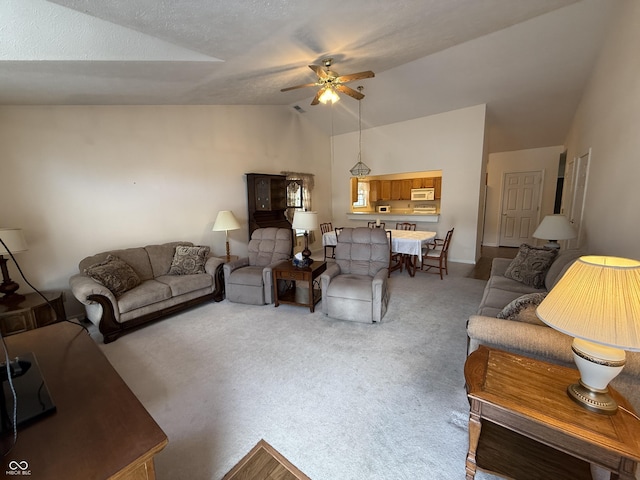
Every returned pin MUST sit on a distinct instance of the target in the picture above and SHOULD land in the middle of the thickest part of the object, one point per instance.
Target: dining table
(409, 243)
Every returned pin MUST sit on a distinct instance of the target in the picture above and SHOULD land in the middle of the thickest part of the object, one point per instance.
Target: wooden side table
(523, 425)
(288, 272)
(30, 311)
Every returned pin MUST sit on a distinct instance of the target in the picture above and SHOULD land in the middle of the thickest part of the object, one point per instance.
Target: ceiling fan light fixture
(329, 96)
(360, 170)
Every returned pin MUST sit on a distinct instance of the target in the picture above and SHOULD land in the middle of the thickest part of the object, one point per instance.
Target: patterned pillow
(523, 309)
(189, 260)
(531, 265)
(115, 274)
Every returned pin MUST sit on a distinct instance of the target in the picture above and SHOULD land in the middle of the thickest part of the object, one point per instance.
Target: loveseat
(523, 333)
(123, 289)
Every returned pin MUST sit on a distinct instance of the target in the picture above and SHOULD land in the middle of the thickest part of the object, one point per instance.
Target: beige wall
(80, 180)
(536, 159)
(452, 142)
(608, 121)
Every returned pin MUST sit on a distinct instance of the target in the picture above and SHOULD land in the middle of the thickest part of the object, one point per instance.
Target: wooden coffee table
(286, 271)
(523, 425)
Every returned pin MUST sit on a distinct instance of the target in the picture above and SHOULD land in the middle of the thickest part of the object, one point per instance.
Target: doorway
(520, 207)
(577, 174)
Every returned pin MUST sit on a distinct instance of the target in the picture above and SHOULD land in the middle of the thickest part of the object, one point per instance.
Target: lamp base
(598, 401)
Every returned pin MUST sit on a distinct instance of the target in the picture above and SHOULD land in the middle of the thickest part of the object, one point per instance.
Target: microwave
(384, 209)
(423, 194)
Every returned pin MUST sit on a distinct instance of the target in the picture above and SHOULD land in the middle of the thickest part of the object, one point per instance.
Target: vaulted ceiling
(528, 60)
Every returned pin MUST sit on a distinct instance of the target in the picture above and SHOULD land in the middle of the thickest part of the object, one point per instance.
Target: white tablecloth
(403, 241)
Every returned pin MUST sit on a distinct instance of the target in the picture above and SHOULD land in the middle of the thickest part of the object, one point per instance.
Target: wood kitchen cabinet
(428, 182)
(385, 190)
(416, 183)
(396, 189)
(405, 191)
(354, 189)
(374, 190)
(438, 187)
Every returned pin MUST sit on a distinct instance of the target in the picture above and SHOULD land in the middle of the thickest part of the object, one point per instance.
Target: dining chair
(405, 226)
(395, 259)
(436, 255)
(375, 225)
(329, 250)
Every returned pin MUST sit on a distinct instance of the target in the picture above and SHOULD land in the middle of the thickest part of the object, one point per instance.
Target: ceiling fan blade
(354, 76)
(316, 99)
(319, 71)
(349, 91)
(298, 86)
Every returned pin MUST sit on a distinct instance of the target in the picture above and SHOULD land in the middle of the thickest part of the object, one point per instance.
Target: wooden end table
(286, 271)
(19, 313)
(522, 423)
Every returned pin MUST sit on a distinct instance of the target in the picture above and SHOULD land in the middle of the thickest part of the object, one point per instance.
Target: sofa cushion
(181, 284)
(523, 308)
(136, 258)
(161, 256)
(560, 265)
(115, 274)
(189, 260)
(531, 265)
(147, 293)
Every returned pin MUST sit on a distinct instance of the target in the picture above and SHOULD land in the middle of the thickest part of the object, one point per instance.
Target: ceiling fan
(330, 81)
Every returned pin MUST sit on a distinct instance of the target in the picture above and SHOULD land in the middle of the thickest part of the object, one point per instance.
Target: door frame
(502, 193)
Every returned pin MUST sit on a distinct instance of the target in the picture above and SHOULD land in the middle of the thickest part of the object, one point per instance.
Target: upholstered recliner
(355, 286)
(249, 279)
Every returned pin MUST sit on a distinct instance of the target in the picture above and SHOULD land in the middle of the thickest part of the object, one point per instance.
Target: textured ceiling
(528, 60)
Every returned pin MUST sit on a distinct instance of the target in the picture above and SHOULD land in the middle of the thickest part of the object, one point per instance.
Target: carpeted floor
(340, 400)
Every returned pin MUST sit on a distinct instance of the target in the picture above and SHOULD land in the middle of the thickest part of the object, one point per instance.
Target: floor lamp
(226, 221)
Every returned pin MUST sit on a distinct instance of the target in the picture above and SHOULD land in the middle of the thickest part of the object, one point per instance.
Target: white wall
(608, 121)
(452, 142)
(84, 179)
(537, 159)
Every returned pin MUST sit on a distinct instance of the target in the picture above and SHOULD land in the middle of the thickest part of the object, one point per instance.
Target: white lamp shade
(597, 299)
(305, 220)
(225, 221)
(13, 239)
(555, 227)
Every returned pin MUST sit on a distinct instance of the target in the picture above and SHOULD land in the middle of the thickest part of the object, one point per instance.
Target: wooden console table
(100, 430)
(19, 313)
(288, 272)
(523, 424)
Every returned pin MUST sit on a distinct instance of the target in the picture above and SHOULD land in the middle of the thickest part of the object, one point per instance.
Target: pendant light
(360, 170)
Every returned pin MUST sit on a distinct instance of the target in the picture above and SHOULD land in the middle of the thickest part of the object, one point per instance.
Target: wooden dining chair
(375, 225)
(329, 250)
(436, 256)
(405, 226)
(395, 259)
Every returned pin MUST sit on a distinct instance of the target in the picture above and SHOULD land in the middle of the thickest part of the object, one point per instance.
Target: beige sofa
(160, 285)
(530, 337)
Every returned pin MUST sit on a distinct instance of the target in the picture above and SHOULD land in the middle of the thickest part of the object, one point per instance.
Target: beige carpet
(340, 400)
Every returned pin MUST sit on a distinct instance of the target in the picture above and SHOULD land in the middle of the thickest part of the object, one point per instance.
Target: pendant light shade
(360, 169)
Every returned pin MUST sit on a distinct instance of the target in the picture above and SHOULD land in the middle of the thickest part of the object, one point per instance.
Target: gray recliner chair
(249, 279)
(355, 286)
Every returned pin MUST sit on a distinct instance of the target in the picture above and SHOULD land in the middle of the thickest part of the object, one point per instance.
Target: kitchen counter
(398, 216)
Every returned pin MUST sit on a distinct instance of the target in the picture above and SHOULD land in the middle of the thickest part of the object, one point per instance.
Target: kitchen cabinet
(405, 191)
(428, 182)
(396, 189)
(354, 190)
(416, 183)
(385, 189)
(374, 190)
(438, 187)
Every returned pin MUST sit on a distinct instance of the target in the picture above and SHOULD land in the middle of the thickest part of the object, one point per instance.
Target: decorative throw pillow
(115, 274)
(523, 309)
(189, 260)
(531, 265)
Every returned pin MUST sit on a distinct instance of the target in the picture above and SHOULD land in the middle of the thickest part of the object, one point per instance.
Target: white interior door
(520, 207)
(577, 172)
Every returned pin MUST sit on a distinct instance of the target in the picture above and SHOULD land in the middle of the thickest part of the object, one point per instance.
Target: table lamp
(12, 241)
(556, 227)
(305, 221)
(597, 301)
(226, 221)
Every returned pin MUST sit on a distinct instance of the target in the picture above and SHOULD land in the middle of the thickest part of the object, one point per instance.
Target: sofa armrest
(83, 286)
(212, 264)
(527, 339)
(333, 269)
